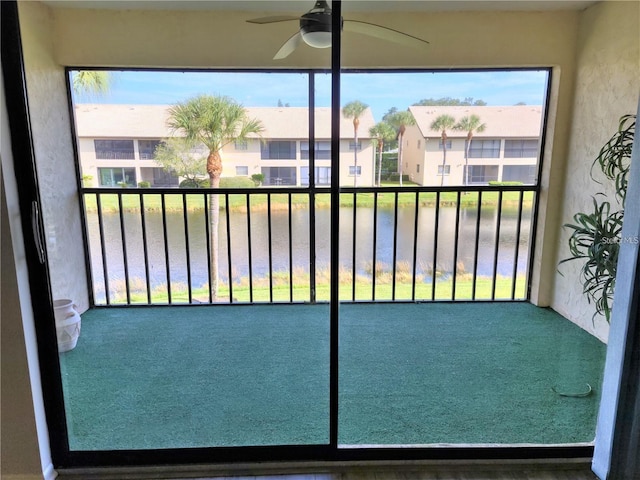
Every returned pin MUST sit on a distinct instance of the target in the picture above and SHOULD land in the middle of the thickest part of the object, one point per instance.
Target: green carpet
(164, 377)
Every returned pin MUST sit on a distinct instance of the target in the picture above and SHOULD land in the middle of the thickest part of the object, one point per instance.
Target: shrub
(144, 184)
(236, 182)
(257, 178)
(194, 183)
(123, 184)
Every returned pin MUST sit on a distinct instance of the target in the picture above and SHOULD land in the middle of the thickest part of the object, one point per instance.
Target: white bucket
(67, 324)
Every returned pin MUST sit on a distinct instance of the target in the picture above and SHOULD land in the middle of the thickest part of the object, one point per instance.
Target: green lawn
(282, 292)
(174, 202)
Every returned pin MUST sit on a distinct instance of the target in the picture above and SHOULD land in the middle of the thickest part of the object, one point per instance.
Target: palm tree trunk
(400, 157)
(214, 168)
(355, 154)
(466, 159)
(444, 163)
(380, 145)
(444, 157)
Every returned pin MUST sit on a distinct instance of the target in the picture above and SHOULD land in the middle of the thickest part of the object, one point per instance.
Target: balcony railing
(152, 246)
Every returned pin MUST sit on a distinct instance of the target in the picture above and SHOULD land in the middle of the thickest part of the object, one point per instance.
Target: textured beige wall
(86, 37)
(54, 155)
(607, 87)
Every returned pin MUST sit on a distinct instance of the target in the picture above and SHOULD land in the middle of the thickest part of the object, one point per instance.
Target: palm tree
(92, 82)
(443, 123)
(470, 125)
(401, 120)
(354, 110)
(381, 132)
(214, 121)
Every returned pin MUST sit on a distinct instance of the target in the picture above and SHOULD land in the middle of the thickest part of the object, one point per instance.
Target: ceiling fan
(315, 30)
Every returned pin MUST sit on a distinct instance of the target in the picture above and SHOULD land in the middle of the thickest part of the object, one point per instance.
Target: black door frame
(29, 200)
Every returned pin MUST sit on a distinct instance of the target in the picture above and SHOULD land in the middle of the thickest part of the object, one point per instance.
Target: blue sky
(380, 91)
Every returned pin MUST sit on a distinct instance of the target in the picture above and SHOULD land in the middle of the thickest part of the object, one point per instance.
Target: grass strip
(238, 202)
(301, 291)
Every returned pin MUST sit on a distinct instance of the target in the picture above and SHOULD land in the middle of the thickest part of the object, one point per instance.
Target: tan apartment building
(117, 144)
(507, 149)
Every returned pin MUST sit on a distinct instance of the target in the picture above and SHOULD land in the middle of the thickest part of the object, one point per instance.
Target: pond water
(281, 243)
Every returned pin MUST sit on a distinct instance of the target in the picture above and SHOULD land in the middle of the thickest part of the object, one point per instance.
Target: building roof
(509, 121)
(150, 121)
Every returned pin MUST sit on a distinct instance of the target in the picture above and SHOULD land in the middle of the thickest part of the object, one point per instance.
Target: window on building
(147, 149)
(444, 170)
(278, 150)
(279, 175)
(322, 150)
(521, 148)
(322, 175)
(242, 171)
(352, 145)
(483, 173)
(448, 144)
(114, 149)
(240, 145)
(419, 144)
(162, 178)
(484, 148)
(418, 168)
(519, 173)
(355, 171)
(114, 177)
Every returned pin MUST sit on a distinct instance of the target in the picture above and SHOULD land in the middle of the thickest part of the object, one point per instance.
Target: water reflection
(298, 244)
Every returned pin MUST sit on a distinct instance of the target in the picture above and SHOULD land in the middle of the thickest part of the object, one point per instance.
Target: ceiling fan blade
(289, 46)
(383, 33)
(273, 19)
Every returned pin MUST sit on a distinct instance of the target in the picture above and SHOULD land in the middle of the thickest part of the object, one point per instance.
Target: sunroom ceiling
(348, 5)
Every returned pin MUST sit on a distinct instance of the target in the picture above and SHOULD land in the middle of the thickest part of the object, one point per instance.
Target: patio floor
(239, 375)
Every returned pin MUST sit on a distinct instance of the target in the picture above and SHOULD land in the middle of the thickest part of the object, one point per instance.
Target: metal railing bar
(415, 246)
(165, 237)
(187, 247)
(476, 247)
(103, 251)
(125, 262)
(207, 242)
(270, 247)
(229, 266)
(250, 257)
(395, 246)
(353, 247)
(145, 247)
(375, 245)
(517, 247)
(290, 225)
(497, 247)
(434, 266)
(437, 202)
(455, 249)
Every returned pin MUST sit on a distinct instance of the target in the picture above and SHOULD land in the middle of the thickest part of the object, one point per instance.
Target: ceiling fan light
(317, 39)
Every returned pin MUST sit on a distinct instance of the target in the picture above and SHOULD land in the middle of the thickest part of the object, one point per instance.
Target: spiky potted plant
(596, 236)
